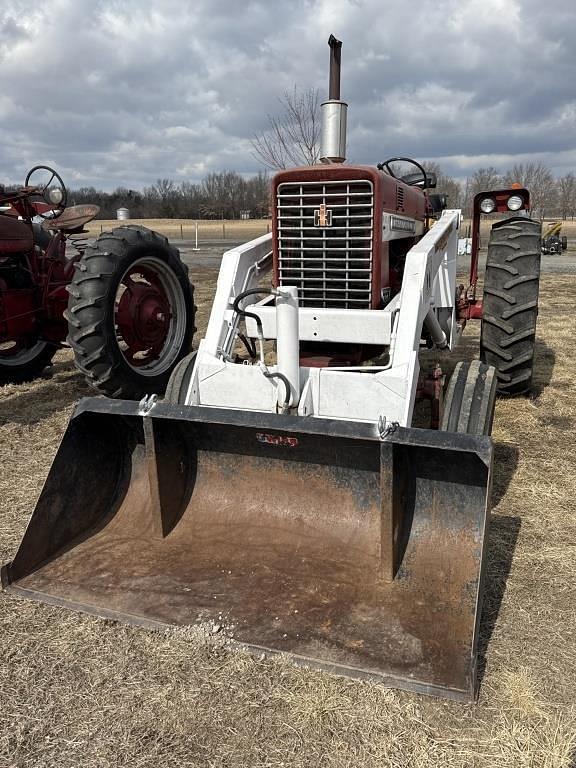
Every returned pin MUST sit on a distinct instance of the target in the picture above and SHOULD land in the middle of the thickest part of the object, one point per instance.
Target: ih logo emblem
(322, 216)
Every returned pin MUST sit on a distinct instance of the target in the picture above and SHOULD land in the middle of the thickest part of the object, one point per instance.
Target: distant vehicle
(553, 241)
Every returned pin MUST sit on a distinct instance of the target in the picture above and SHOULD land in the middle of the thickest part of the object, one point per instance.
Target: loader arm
(364, 394)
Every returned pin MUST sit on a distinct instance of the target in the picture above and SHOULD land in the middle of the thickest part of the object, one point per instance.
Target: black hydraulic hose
(286, 403)
(249, 344)
(243, 313)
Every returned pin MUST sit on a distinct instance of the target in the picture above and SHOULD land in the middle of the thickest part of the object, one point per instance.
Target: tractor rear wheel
(23, 356)
(130, 313)
(470, 399)
(24, 360)
(511, 283)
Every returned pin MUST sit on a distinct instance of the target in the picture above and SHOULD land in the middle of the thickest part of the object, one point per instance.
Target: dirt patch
(78, 691)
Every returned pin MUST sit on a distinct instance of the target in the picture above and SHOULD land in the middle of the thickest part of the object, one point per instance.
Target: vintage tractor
(553, 241)
(283, 492)
(123, 303)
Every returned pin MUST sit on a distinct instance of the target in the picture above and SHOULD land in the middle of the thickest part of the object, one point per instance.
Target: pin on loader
(287, 490)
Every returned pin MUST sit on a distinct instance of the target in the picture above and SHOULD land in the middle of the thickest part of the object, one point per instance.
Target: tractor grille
(325, 237)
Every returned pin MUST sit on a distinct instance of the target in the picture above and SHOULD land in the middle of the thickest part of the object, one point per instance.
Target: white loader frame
(376, 394)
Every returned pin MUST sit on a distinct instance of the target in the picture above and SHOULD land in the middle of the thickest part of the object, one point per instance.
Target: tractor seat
(72, 219)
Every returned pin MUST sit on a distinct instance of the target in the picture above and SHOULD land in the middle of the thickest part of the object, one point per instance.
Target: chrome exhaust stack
(334, 112)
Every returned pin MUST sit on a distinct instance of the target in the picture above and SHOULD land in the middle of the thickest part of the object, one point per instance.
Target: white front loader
(378, 394)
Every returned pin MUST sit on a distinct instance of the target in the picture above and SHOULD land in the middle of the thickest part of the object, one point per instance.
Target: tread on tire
(470, 399)
(90, 313)
(511, 285)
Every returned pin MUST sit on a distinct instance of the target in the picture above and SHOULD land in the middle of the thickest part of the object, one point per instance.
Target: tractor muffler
(352, 552)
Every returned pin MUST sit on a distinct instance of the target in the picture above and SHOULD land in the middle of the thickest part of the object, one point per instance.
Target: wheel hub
(143, 317)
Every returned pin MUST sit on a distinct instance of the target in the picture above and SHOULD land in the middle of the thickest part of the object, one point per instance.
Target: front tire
(130, 313)
(177, 388)
(470, 399)
(511, 285)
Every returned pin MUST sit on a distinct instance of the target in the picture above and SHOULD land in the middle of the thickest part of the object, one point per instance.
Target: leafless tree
(164, 194)
(482, 180)
(566, 189)
(538, 180)
(218, 195)
(293, 136)
(445, 185)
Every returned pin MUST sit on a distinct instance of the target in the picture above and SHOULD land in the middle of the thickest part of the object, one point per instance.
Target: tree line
(550, 197)
(225, 195)
(219, 195)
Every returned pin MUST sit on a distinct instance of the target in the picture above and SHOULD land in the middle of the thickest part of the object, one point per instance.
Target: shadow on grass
(544, 361)
(505, 462)
(500, 545)
(43, 398)
(502, 537)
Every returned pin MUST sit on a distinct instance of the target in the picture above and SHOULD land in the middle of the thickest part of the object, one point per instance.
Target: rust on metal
(72, 218)
(357, 555)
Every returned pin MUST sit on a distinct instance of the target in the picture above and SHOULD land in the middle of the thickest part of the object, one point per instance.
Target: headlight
(487, 205)
(55, 196)
(515, 203)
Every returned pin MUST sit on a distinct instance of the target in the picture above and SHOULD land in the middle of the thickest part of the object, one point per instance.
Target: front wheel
(511, 285)
(470, 399)
(130, 313)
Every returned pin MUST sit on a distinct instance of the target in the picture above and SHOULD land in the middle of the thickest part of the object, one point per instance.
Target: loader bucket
(359, 555)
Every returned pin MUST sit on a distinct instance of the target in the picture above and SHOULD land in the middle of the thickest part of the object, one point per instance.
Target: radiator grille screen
(325, 238)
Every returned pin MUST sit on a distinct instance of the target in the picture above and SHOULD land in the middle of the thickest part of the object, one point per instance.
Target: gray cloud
(121, 92)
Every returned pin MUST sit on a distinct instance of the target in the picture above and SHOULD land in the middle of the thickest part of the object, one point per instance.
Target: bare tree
(566, 190)
(164, 194)
(293, 136)
(445, 185)
(538, 180)
(482, 180)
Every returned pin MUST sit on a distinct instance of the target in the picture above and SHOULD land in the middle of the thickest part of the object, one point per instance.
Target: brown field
(185, 229)
(78, 691)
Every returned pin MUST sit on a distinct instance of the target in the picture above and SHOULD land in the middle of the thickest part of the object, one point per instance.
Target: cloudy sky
(122, 92)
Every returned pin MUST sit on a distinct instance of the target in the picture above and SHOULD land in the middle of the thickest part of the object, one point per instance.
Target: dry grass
(178, 229)
(78, 691)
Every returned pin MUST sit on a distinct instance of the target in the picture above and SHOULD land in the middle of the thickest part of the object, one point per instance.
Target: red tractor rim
(149, 316)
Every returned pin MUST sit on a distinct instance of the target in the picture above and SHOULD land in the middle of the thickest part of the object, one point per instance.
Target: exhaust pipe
(334, 112)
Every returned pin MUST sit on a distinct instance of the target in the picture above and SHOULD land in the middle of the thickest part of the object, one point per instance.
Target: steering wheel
(54, 196)
(386, 166)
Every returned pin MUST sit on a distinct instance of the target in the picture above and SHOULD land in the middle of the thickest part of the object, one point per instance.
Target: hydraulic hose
(263, 367)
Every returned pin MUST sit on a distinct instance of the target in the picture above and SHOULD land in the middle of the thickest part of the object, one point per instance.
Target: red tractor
(123, 303)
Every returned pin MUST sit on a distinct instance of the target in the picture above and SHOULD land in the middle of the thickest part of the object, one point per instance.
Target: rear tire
(26, 364)
(511, 284)
(130, 313)
(470, 399)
